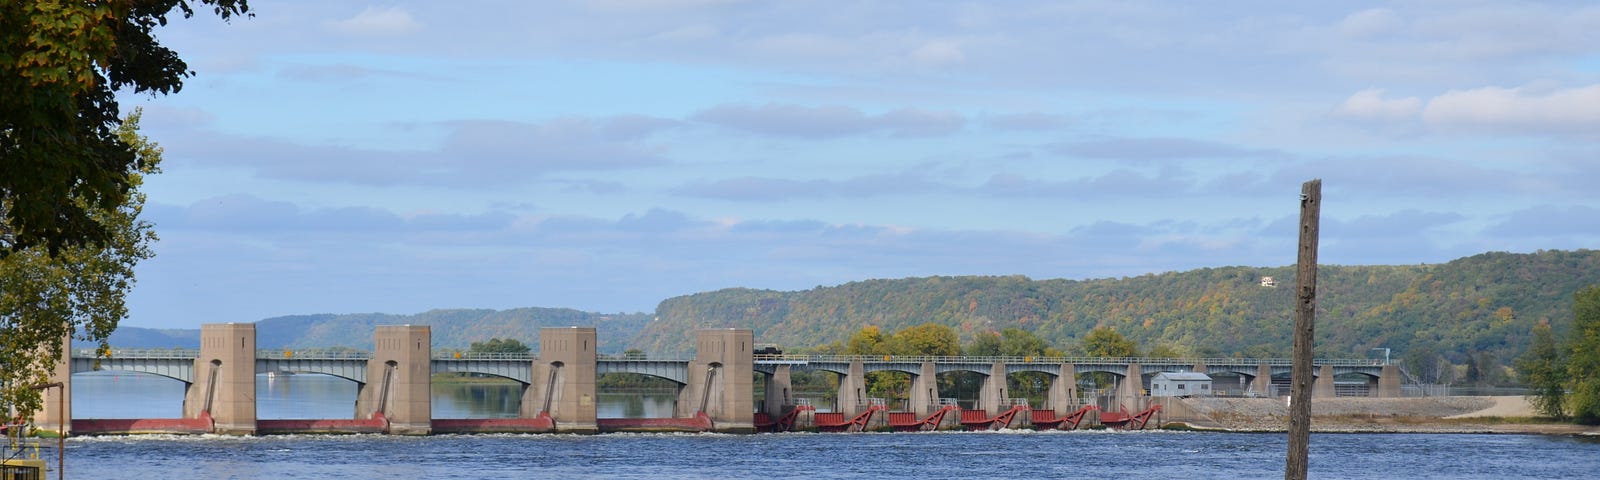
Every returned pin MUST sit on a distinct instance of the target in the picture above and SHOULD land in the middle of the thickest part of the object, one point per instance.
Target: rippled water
(800, 455)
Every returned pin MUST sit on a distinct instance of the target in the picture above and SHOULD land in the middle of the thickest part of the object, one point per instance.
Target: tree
(926, 339)
(868, 341)
(62, 162)
(496, 345)
(1583, 361)
(77, 291)
(985, 344)
(1541, 369)
(1106, 342)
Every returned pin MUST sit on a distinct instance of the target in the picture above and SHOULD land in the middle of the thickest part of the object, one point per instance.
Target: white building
(1180, 384)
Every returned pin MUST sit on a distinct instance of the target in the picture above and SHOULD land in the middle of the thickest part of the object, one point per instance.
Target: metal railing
(452, 355)
(793, 358)
(343, 354)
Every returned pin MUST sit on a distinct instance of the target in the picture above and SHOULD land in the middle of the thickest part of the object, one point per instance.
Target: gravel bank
(1345, 414)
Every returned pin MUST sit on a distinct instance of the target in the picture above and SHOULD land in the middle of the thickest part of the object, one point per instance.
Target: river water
(1007, 454)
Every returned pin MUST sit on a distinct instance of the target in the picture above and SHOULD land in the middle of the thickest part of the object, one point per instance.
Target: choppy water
(802, 455)
(1019, 454)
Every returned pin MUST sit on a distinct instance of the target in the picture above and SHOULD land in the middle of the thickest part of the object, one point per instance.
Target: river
(1008, 454)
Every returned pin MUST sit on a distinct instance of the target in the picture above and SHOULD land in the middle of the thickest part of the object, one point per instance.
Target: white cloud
(1517, 108)
(1370, 104)
(377, 22)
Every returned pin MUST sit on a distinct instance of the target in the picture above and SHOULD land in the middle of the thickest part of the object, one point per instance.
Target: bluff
(1485, 303)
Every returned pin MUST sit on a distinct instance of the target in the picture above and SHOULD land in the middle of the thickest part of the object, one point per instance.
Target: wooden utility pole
(1305, 316)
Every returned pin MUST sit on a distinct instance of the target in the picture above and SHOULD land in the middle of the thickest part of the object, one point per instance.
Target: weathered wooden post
(1304, 327)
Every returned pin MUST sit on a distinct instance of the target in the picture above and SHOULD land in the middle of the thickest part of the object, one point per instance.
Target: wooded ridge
(1483, 304)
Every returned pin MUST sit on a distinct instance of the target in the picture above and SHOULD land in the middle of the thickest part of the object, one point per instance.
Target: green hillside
(1484, 303)
(452, 329)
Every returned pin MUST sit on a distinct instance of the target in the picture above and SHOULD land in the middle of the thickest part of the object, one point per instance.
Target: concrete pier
(721, 379)
(224, 386)
(1063, 395)
(564, 379)
(852, 390)
(399, 379)
(924, 390)
(992, 393)
(1324, 385)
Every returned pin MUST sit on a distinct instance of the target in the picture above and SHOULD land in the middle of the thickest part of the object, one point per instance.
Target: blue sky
(605, 155)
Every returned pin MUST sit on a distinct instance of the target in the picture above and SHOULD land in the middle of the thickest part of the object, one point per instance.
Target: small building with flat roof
(1180, 384)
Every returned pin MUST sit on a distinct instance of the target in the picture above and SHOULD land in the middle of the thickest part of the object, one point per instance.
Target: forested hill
(456, 328)
(1484, 303)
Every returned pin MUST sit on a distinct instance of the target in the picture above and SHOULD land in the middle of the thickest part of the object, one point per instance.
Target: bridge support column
(1324, 386)
(778, 397)
(1200, 367)
(852, 390)
(225, 379)
(1262, 384)
(399, 377)
(992, 394)
(56, 415)
(924, 390)
(1063, 396)
(722, 380)
(1131, 393)
(564, 379)
(1389, 382)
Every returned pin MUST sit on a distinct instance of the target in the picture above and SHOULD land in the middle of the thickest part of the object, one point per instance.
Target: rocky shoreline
(1372, 415)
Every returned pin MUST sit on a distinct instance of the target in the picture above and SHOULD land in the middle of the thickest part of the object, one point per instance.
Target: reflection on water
(136, 395)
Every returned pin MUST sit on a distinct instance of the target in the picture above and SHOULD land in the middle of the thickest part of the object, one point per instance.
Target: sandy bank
(1350, 414)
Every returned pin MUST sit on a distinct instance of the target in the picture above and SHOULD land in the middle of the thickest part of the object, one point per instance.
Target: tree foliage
(1485, 303)
(1583, 364)
(1106, 342)
(1542, 370)
(496, 345)
(76, 292)
(62, 161)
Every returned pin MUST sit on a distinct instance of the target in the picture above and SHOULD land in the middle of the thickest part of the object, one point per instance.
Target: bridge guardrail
(319, 354)
(794, 358)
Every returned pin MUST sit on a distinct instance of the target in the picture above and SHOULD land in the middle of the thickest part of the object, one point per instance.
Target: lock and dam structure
(716, 386)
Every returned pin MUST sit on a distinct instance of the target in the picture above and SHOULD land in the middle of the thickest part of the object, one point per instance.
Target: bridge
(716, 386)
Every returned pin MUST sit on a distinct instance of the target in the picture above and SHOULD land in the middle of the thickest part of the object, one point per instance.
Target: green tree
(1542, 370)
(985, 344)
(868, 341)
(1583, 361)
(1016, 342)
(1106, 342)
(61, 64)
(926, 339)
(496, 345)
(78, 291)
(1163, 351)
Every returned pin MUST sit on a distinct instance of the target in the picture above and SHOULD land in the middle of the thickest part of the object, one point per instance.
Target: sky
(605, 155)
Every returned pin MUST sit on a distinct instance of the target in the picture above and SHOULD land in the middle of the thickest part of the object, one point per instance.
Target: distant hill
(451, 329)
(1484, 303)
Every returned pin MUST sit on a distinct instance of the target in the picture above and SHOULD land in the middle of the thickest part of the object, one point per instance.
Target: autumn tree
(926, 339)
(62, 162)
(77, 291)
(1105, 342)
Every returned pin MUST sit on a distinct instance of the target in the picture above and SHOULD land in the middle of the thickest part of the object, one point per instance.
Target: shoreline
(1503, 414)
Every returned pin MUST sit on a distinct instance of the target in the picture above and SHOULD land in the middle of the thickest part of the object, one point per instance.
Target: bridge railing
(313, 354)
(529, 356)
(179, 353)
(791, 358)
